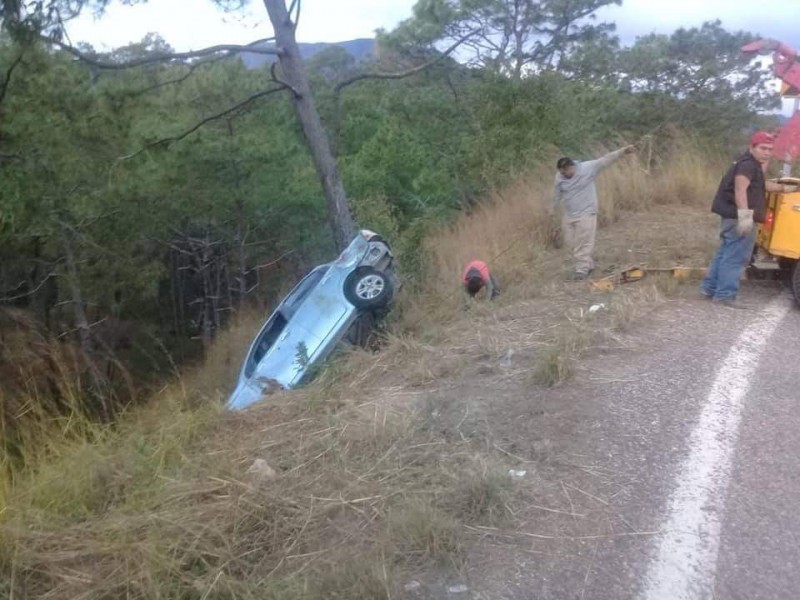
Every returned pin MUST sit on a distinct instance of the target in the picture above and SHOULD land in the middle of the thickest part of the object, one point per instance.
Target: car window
(302, 289)
(264, 342)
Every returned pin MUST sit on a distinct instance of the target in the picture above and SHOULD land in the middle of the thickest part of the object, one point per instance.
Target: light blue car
(315, 316)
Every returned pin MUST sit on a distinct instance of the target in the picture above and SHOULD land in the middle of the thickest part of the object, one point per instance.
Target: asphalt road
(669, 469)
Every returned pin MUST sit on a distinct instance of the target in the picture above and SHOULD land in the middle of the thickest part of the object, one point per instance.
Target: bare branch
(77, 231)
(295, 3)
(192, 68)
(296, 15)
(6, 299)
(272, 262)
(199, 124)
(407, 73)
(228, 49)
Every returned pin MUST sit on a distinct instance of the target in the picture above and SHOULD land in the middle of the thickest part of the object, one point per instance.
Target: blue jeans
(725, 272)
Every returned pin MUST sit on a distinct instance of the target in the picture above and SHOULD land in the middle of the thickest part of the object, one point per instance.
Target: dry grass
(629, 309)
(514, 234)
(482, 493)
(426, 534)
(41, 395)
(556, 362)
(653, 211)
(374, 478)
(218, 373)
(359, 494)
(44, 405)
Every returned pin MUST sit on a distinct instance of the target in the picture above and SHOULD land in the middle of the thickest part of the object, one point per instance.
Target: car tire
(367, 288)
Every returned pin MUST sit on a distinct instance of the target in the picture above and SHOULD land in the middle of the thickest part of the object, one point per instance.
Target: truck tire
(786, 264)
(795, 282)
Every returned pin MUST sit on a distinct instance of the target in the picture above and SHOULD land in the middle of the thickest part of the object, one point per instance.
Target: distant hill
(360, 49)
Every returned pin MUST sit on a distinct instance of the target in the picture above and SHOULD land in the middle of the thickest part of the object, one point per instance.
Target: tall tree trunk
(82, 321)
(239, 237)
(294, 72)
(208, 314)
(241, 259)
(44, 282)
(174, 296)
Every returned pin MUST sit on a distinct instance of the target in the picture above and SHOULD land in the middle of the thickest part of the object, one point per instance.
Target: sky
(192, 24)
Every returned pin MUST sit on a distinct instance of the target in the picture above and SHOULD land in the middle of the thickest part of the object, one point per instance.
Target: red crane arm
(786, 66)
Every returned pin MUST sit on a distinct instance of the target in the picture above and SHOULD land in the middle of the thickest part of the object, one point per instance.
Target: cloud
(328, 21)
(193, 24)
(640, 17)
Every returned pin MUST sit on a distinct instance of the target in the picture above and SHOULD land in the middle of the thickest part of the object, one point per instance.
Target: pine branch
(157, 57)
(199, 124)
(407, 73)
(192, 68)
(10, 298)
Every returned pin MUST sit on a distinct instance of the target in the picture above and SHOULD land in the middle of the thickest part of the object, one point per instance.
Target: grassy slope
(375, 472)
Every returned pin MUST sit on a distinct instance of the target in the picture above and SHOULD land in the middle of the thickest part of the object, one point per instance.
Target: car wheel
(367, 288)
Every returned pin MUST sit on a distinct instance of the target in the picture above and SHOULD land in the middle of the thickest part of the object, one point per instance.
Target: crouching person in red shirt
(476, 276)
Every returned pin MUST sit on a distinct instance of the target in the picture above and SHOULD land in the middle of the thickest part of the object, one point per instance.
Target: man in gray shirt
(575, 188)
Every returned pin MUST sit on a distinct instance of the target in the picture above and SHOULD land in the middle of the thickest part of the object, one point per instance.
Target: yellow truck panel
(780, 235)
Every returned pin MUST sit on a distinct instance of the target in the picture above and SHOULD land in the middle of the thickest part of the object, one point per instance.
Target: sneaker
(706, 295)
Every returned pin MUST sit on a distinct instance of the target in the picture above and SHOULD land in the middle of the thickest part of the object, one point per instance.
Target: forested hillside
(142, 207)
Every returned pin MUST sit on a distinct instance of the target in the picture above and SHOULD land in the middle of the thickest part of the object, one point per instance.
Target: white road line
(686, 560)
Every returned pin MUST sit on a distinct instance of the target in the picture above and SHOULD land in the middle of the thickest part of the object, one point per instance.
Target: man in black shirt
(741, 202)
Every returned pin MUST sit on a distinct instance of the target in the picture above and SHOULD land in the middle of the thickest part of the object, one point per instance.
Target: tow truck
(778, 238)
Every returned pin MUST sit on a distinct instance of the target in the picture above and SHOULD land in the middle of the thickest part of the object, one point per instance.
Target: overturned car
(315, 316)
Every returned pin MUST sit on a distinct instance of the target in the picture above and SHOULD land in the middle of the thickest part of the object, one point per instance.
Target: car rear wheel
(368, 288)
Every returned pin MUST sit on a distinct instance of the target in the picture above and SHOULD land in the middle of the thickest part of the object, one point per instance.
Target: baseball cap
(761, 137)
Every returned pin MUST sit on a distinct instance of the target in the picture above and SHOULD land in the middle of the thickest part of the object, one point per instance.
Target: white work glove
(745, 224)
